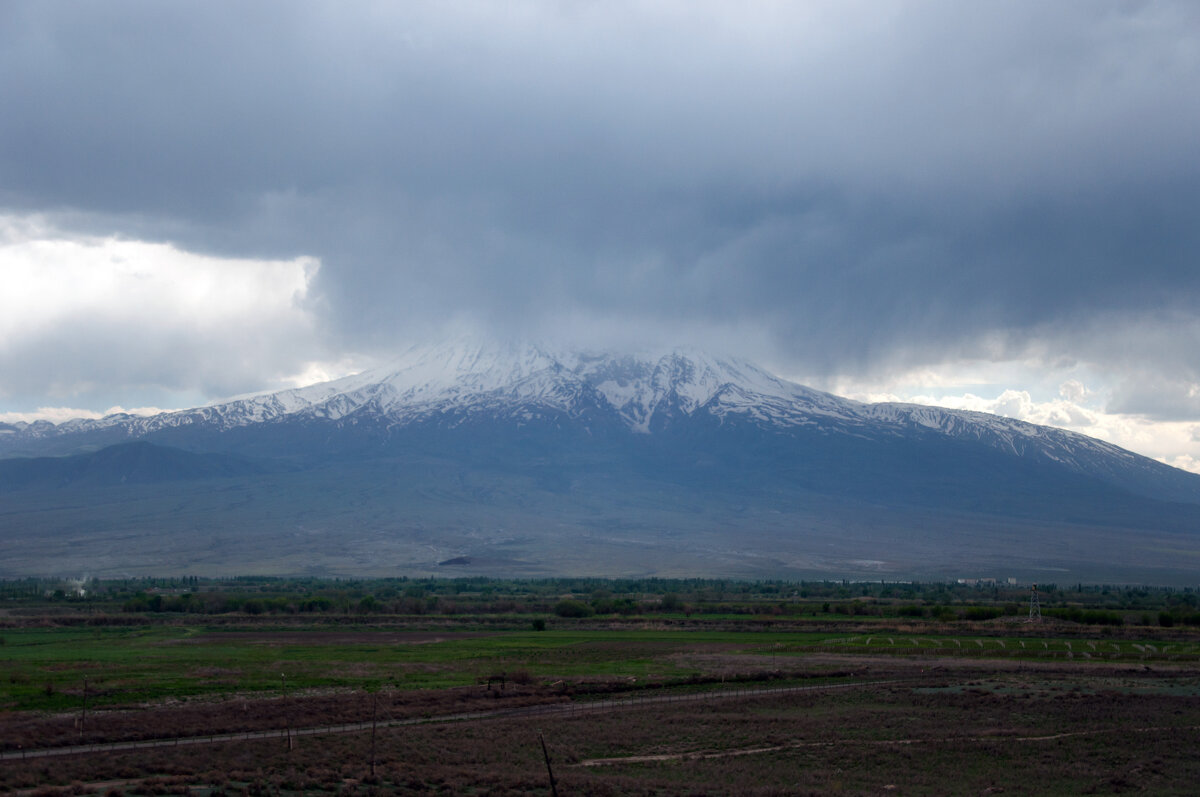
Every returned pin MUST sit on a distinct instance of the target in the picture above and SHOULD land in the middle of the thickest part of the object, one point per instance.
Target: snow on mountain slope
(474, 377)
(1008, 434)
(643, 392)
(509, 379)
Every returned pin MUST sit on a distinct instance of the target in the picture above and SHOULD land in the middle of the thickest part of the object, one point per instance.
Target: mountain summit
(711, 464)
(524, 385)
(475, 377)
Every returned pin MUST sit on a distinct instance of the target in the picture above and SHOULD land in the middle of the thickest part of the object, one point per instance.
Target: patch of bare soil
(1077, 738)
(239, 714)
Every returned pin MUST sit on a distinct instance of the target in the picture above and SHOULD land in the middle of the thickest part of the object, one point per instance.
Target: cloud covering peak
(849, 189)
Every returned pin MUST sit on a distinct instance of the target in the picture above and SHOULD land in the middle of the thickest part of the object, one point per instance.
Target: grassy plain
(902, 705)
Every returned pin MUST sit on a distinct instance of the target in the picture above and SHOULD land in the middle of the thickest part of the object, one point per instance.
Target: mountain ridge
(135, 462)
(644, 392)
(532, 462)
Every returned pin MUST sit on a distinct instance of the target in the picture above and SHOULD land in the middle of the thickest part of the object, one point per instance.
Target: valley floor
(899, 709)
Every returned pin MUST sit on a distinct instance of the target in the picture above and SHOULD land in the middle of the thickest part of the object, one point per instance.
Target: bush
(1089, 616)
(523, 677)
(572, 608)
(983, 613)
(317, 604)
(614, 606)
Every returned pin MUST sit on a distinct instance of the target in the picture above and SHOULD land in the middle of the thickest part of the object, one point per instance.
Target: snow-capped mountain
(508, 379)
(528, 460)
(642, 393)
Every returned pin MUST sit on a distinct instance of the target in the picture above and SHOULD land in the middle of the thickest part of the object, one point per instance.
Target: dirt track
(550, 709)
(988, 738)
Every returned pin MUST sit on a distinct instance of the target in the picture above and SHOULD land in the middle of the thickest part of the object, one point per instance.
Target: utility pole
(1035, 606)
(549, 771)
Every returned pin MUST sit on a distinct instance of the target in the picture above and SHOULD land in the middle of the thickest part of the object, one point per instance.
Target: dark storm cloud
(864, 184)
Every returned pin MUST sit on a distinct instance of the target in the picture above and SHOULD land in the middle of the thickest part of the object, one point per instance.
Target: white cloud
(1174, 442)
(51, 279)
(61, 414)
(1066, 393)
(1073, 390)
(91, 317)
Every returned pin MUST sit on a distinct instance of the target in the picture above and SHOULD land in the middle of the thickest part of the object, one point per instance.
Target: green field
(651, 688)
(44, 668)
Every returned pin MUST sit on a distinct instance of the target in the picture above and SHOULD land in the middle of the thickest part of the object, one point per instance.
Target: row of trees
(620, 597)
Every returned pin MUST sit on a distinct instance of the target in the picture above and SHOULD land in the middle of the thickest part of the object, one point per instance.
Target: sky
(987, 205)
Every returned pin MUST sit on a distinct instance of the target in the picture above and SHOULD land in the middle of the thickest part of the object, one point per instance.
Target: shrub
(572, 608)
(523, 677)
(983, 613)
(1090, 616)
(608, 605)
(317, 604)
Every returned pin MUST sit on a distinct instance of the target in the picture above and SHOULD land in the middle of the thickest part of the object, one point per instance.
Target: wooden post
(83, 715)
(287, 714)
(374, 701)
(549, 771)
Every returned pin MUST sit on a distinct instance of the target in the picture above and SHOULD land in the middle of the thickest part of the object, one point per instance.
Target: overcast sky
(992, 205)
